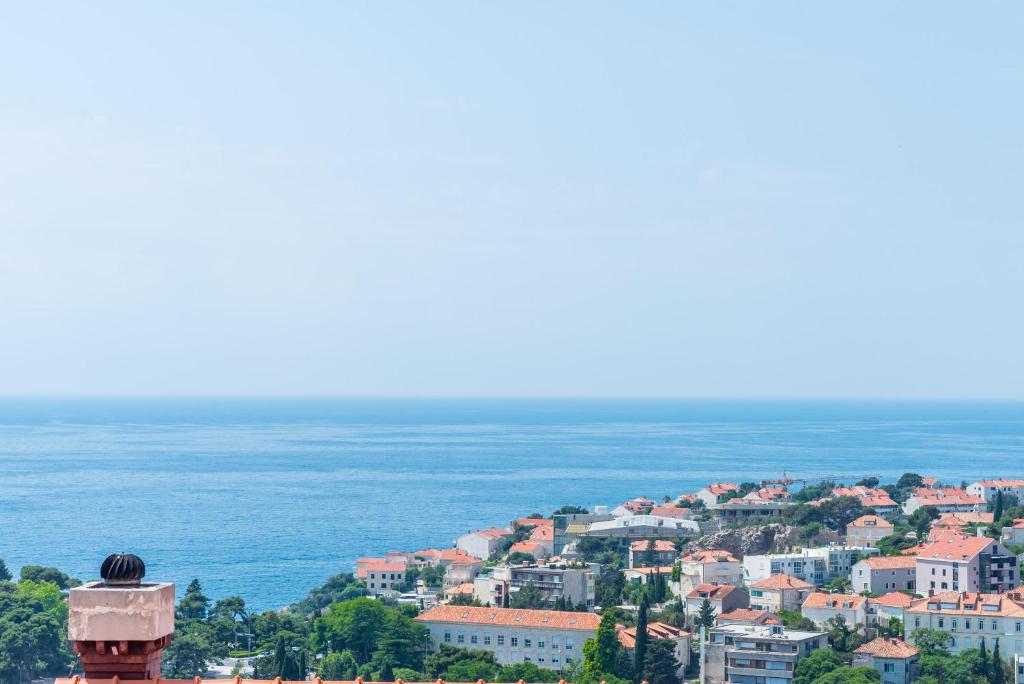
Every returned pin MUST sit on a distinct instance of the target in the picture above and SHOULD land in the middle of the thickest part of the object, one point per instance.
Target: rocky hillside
(754, 540)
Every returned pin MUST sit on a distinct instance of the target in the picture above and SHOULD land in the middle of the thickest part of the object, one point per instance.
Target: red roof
(891, 562)
(512, 617)
(655, 630)
(887, 647)
(719, 488)
(820, 599)
(534, 522)
(713, 592)
(659, 545)
(894, 599)
(709, 556)
(670, 512)
(782, 581)
(955, 547)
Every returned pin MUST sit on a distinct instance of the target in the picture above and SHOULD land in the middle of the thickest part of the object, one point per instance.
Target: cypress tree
(640, 651)
(983, 668)
(997, 508)
(997, 676)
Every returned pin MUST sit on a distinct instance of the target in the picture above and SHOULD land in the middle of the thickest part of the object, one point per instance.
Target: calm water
(268, 498)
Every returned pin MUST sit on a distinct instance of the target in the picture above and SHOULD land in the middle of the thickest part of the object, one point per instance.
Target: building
(746, 616)
(461, 570)
(1014, 534)
(957, 563)
(714, 492)
(383, 577)
(550, 639)
(970, 617)
(819, 565)
(671, 512)
(569, 527)
(1018, 669)
(887, 606)
(659, 630)
(821, 607)
(746, 509)
(749, 654)
(866, 530)
(637, 506)
(651, 552)
(723, 598)
(882, 574)
(870, 497)
(779, 592)
(896, 661)
(713, 566)
(643, 527)
(482, 543)
(644, 575)
(987, 489)
(569, 581)
(945, 499)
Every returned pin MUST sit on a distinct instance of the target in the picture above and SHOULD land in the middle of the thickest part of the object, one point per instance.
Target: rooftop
(969, 603)
(512, 617)
(955, 547)
(870, 521)
(714, 592)
(891, 562)
(655, 630)
(887, 647)
(709, 556)
(821, 599)
(894, 599)
(773, 632)
(782, 581)
(658, 545)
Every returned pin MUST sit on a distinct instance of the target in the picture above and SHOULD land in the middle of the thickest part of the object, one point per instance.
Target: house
(1014, 534)
(651, 552)
(533, 522)
(568, 581)
(957, 523)
(482, 543)
(758, 653)
(746, 509)
(870, 497)
(987, 489)
(867, 530)
(637, 506)
(746, 616)
(820, 607)
(887, 606)
(671, 512)
(779, 592)
(970, 617)
(723, 598)
(551, 639)
(958, 563)
(543, 537)
(380, 575)
(713, 566)
(819, 565)
(659, 630)
(643, 527)
(713, 493)
(945, 499)
(644, 575)
(882, 574)
(896, 661)
(535, 549)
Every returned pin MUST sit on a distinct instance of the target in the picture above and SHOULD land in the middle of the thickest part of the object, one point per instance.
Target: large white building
(572, 581)
(819, 565)
(709, 567)
(550, 639)
(482, 543)
(958, 563)
(882, 574)
(970, 617)
(987, 489)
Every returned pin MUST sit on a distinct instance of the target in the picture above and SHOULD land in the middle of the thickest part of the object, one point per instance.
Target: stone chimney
(120, 626)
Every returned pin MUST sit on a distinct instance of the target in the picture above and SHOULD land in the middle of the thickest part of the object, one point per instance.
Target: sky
(512, 199)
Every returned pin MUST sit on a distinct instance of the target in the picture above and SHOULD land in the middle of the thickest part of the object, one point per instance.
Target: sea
(265, 499)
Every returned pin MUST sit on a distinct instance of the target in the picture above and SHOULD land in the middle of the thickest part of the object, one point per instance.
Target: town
(770, 582)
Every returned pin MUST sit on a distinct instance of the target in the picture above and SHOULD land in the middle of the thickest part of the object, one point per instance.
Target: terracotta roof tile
(553, 619)
(894, 599)
(820, 599)
(655, 630)
(659, 545)
(870, 521)
(782, 581)
(714, 592)
(891, 562)
(955, 547)
(887, 647)
(709, 556)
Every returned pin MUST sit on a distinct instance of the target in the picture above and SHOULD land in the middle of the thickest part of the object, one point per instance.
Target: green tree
(5, 574)
(601, 653)
(571, 510)
(402, 641)
(705, 615)
(982, 668)
(660, 665)
(40, 573)
(343, 587)
(850, 675)
(528, 672)
(841, 584)
(32, 633)
(818, 663)
(792, 619)
(640, 649)
(355, 625)
(520, 557)
(677, 571)
(188, 655)
(194, 604)
(998, 674)
(439, 664)
(870, 482)
(529, 596)
(931, 642)
(997, 506)
(921, 521)
(472, 670)
(338, 666)
(841, 635)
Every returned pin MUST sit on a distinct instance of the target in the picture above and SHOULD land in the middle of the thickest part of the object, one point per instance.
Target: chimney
(120, 625)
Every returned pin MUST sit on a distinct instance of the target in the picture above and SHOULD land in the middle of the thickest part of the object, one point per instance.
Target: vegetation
(819, 662)
(33, 628)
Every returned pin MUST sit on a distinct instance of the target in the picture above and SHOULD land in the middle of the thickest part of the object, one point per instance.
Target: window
(942, 623)
(952, 625)
(472, 638)
(889, 667)
(487, 639)
(995, 625)
(540, 659)
(917, 622)
(568, 647)
(447, 637)
(540, 643)
(461, 638)
(515, 641)
(501, 639)
(527, 643)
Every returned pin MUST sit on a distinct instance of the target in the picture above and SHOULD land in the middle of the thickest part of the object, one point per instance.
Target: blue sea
(267, 498)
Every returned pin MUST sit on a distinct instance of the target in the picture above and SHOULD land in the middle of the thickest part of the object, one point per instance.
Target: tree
(677, 571)
(194, 604)
(287, 663)
(39, 573)
(894, 628)
(529, 596)
(471, 671)
(640, 649)
(705, 615)
(343, 587)
(841, 584)
(998, 674)
(438, 665)
(983, 668)
(338, 666)
(997, 506)
(792, 619)
(187, 655)
(850, 675)
(818, 663)
(909, 481)
(921, 520)
(870, 482)
(931, 642)
(571, 510)
(601, 653)
(528, 672)
(660, 665)
(5, 574)
(842, 637)
(33, 626)
(520, 557)
(402, 641)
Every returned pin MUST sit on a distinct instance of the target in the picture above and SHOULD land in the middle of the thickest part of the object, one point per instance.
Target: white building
(820, 607)
(957, 563)
(946, 500)
(550, 639)
(882, 574)
(866, 530)
(482, 543)
(987, 489)
(572, 581)
(709, 567)
(970, 617)
(819, 565)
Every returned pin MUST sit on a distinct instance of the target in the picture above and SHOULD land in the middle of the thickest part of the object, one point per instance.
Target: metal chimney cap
(122, 569)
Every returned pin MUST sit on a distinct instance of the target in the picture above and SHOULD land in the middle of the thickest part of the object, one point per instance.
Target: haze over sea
(267, 498)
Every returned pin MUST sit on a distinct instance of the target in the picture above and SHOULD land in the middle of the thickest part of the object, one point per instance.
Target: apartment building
(713, 493)
(958, 563)
(652, 553)
(987, 489)
(550, 639)
(970, 617)
(866, 530)
(870, 497)
(945, 499)
(819, 565)
(882, 574)
(1014, 534)
(779, 592)
(482, 543)
(558, 580)
(896, 661)
(755, 654)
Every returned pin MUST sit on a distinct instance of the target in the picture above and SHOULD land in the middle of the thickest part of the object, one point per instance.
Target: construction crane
(785, 480)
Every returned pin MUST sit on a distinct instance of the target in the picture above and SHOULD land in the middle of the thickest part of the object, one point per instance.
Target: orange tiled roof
(955, 547)
(963, 519)
(384, 566)
(542, 534)
(870, 521)
(492, 533)
(457, 555)
(709, 556)
(782, 581)
(746, 615)
(891, 562)
(894, 599)
(969, 603)
(511, 617)
(534, 522)
(464, 588)
(1001, 483)
(714, 592)
(887, 647)
(532, 548)
(655, 630)
(659, 545)
(820, 599)
(670, 512)
(719, 488)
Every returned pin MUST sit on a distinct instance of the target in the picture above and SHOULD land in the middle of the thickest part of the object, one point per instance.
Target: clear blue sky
(528, 199)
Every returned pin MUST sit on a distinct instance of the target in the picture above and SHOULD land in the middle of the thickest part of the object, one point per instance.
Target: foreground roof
(887, 647)
(512, 617)
(709, 556)
(969, 603)
(894, 599)
(835, 601)
(955, 547)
